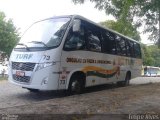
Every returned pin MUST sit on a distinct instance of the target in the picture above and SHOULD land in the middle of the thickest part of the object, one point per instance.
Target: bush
(3, 78)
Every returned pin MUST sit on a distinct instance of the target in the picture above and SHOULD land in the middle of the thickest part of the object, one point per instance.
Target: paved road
(11, 95)
(145, 80)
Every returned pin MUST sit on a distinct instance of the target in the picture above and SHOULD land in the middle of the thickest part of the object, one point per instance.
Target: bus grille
(25, 79)
(23, 66)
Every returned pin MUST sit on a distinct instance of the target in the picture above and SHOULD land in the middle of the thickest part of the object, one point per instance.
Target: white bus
(71, 53)
(151, 71)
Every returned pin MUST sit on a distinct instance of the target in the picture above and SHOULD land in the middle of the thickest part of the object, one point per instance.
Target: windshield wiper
(24, 45)
(39, 42)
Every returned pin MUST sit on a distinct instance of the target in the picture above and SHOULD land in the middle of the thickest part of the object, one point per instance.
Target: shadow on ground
(46, 95)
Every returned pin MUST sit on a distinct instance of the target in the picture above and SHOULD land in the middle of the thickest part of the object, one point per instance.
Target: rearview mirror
(76, 25)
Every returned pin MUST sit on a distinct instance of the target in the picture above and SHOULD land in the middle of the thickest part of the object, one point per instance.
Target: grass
(3, 78)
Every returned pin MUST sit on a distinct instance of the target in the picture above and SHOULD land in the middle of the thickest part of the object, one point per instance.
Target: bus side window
(130, 49)
(93, 37)
(109, 45)
(75, 41)
(121, 46)
(137, 50)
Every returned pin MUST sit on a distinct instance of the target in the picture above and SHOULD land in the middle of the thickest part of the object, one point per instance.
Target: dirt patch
(132, 99)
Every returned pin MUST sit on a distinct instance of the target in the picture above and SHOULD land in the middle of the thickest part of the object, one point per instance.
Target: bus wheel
(125, 82)
(76, 85)
(127, 79)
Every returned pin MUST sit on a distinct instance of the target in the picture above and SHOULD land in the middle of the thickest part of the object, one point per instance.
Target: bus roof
(98, 25)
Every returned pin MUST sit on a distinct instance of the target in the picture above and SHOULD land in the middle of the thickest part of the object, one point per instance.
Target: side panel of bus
(100, 55)
(82, 52)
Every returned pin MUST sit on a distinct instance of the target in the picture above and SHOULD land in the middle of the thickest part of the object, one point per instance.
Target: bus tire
(126, 81)
(76, 85)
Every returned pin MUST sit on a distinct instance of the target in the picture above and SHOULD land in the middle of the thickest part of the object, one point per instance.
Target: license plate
(20, 73)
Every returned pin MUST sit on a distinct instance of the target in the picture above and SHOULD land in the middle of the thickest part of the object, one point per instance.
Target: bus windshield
(46, 33)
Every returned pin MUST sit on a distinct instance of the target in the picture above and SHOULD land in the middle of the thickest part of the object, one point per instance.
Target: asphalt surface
(145, 80)
(11, 95)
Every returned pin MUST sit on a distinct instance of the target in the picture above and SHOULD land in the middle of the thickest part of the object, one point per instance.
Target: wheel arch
(76, 73)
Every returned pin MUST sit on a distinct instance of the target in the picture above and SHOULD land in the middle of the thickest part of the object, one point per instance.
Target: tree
(146, 56)
(8, 34)
(126, 29)
(151, 55)
(155, 54)
(138, 12)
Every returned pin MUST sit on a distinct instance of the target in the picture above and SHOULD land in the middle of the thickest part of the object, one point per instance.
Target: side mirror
(76, 25)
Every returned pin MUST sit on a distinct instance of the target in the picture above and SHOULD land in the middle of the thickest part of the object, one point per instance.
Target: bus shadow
(40, 96)
(46, 95)
(100, 88)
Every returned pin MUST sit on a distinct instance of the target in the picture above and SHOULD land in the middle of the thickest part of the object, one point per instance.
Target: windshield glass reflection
(46, 33)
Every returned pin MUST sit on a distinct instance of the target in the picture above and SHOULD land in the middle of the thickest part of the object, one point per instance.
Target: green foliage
(151, 55)
(137, 12)
(8, 34)
(126, 29)
(155, 53)
(3, 78)
(146, 55)
(148, 12)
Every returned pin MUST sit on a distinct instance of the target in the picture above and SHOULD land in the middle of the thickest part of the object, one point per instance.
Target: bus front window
(46, 33)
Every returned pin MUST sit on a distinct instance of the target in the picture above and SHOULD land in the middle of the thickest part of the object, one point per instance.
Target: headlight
(44, 65)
